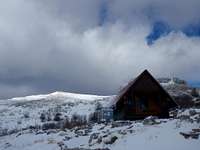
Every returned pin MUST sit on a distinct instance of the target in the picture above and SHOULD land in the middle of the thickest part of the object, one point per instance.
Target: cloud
(177, 13)
(65, 45)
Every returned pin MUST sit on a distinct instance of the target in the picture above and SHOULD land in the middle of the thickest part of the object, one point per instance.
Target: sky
(95, 46)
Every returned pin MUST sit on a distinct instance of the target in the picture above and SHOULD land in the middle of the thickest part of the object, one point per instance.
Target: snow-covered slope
(163, 134)
(20, 126)
(22, 112)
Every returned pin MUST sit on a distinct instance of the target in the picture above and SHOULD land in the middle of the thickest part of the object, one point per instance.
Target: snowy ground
(21, 113)
(136, 135)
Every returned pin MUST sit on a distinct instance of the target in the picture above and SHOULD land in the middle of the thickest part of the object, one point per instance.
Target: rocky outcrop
(181, 93)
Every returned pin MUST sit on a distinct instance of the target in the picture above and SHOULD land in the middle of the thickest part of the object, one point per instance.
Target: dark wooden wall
(141, 101)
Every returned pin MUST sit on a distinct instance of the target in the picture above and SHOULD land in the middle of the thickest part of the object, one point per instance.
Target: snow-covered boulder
(151, 120)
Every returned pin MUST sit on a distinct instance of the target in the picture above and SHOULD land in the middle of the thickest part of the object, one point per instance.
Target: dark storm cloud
(91, 46)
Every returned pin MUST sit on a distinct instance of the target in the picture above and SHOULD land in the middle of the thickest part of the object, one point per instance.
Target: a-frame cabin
(142, 97)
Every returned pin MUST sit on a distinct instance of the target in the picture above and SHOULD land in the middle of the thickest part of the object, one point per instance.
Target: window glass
(142, 103)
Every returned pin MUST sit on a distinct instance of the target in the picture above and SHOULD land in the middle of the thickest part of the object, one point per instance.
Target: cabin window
(129, 102)
(142, 103)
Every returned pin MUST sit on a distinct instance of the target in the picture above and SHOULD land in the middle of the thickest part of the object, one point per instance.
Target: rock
(106, 131)
(185, 118)
(111, 140)
(67, 138)
(131, 131)
(65, 147)
(19, 122)
(61, 145)
(7, 145)
(173, 113)
(102, 128)
(151, 120)
(87, 131)
(186, 136)
(198, 119)
(26, 115)
(51, 132)
(192, 112)
(62, 133)
(193, 135)
(196, 130)
(51, 141)
(11, 114)
(39, 132)
(3, 132)
(116, 124)
(123, 132)
(131, 126)
(197, 103)
(79, 133)
(85, 134)
(105, 135)
(12, 131)
(99, 140)
(92, 137)
(19, 134)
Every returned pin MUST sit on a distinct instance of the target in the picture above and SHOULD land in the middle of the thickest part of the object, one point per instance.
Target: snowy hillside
(22, 112)
(68, 97)
(21, 126)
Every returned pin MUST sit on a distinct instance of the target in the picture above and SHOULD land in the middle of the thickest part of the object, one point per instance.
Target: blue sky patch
(192, 30)
(103, 13)
(195, 84)
(160, 29)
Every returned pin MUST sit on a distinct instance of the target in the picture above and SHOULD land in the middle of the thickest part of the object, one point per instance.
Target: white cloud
(56, 45)
(178, 13)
